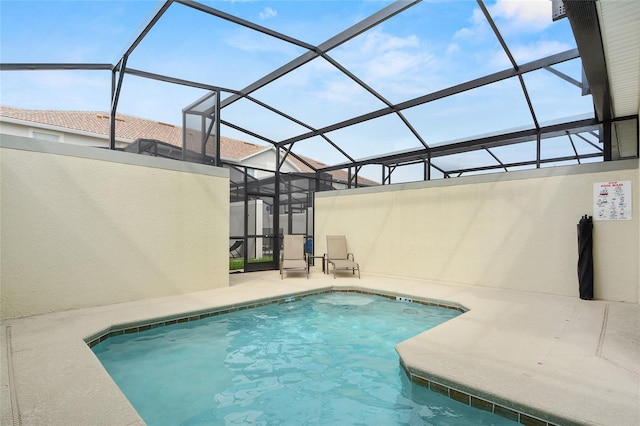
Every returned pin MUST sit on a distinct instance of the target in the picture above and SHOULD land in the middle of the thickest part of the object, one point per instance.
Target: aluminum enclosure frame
(584, 22)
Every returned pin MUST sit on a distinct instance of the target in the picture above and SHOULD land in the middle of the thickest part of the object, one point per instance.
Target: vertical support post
(203, 137)
(308, 207)
(112, 121)
(184, 139)
(428, 165)
(115, 97)
(538, 150)
(217, 127)
(605, 137)
(276, 212)
(386, 177)
(246, 217)
(288, 187)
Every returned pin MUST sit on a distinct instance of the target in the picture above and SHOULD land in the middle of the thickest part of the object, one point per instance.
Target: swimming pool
(326, 359)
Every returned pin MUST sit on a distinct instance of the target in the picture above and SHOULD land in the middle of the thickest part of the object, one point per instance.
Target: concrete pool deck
(576, 360)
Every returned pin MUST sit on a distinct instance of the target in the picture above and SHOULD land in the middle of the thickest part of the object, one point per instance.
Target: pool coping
(56, 381)
(522, 414)
(143, 325)
(507, 409)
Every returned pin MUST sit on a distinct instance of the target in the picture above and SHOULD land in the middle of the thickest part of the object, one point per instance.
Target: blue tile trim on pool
(476, 401)
(116, 330)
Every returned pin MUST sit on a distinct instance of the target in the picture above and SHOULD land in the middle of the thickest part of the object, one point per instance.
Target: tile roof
(127, 127)
(132, 128)
(97, 122)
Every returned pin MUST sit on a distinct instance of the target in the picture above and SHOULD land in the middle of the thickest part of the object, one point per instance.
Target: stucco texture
(80, 232)
(517, 230)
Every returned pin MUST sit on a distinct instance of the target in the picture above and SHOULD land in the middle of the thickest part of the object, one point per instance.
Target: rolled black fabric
(585, 257)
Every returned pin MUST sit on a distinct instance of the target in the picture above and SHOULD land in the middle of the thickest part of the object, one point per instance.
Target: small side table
(318, 257)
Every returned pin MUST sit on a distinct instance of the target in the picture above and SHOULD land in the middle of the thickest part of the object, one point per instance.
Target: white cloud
(389, 65)
(540, 49)
(523, 15)
(453, 48)
(255, 42)
(511, 16)
(268, 13)
(378, 41)
(478, 28)
(394, 66)
(339, 91)
(524, 53)
(387, 62)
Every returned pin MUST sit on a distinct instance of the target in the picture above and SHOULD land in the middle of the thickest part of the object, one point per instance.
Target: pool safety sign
(612, 200)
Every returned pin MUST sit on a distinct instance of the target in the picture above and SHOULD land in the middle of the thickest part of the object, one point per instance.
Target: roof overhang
(608, 38)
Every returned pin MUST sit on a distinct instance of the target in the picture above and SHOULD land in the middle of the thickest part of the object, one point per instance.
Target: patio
(563, 359)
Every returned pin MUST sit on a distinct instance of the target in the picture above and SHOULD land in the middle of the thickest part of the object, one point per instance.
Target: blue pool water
(324, 360)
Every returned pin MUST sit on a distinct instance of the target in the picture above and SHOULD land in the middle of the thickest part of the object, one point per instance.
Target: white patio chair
(293, 257)
(338, 256)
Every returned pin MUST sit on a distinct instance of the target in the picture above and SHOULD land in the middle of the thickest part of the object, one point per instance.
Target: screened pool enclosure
(348, 94)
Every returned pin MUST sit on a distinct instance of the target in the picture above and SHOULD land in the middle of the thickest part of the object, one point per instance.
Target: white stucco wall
(266, 160)
(84, 227)
(23, 128)
(512, 230)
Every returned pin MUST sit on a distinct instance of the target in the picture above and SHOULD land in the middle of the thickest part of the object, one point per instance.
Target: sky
(429, 47)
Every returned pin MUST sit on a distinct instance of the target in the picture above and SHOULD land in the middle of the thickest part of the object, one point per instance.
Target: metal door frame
(274, 236)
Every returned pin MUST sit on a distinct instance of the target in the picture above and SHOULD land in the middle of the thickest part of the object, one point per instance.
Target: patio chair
(338, 257)
(293, 257)
(234, 250)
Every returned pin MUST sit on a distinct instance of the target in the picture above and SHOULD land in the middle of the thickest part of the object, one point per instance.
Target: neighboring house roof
(97, 122)
(132, 128)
